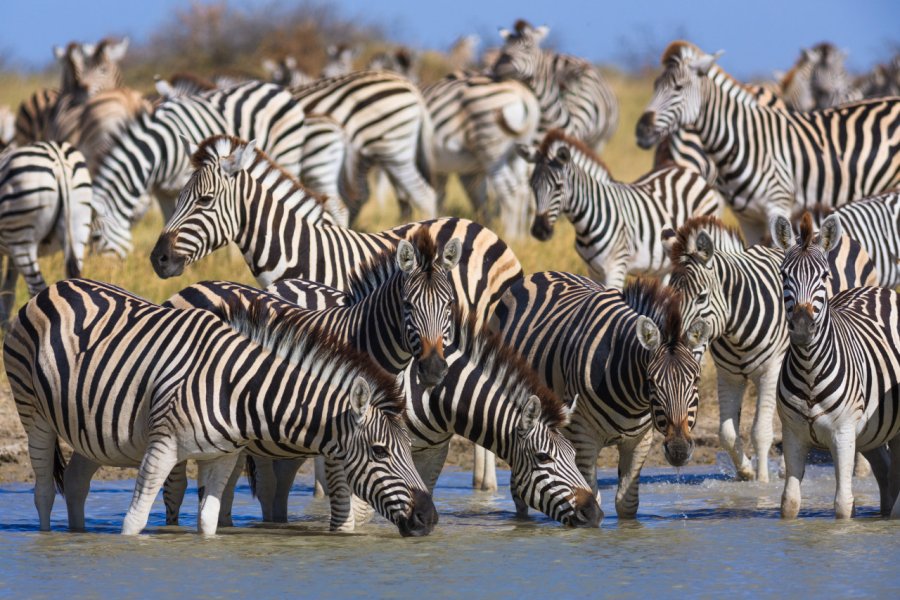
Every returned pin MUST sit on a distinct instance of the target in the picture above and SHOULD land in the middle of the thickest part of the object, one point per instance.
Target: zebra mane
(485, 348)
(680, 50)
(363, 280)
(311, 347)
(726, 238)
(558, 135)
(659, 302)
(191, 83)
(807, 231)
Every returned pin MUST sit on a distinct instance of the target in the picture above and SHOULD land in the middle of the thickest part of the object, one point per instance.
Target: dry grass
(624, 158)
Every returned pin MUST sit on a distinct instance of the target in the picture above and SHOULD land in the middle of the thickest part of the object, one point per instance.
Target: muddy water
(698, 533)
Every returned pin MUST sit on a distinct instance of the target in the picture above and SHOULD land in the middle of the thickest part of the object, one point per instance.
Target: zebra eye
(678, 87)
(702, 298)
(205, 200)
(379, 452)
(825, 276)
(543, 458)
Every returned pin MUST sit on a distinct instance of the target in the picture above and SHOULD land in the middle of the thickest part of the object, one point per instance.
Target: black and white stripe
(839, 387)
(146, 376)
(617, 225)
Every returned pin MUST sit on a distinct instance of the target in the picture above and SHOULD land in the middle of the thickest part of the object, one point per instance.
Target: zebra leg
(212, 477)
(861, 466)
(440, 192)
(160, 458)
(762, 433)
(225, 518)
(173, 492)
(843, 451)
(340, 496)
(265, 485)
(475, 186)
(632, 454)
(321, 486)
(478, 467)
(25, 259)
(894, 447)
(285, 471)
(77, 484)
(731, 394)
(362, 510)
(42, 444)
(10, 278)
(489, 479)
(795, 451)
(881, 467)
(429, 462)
(412, 189)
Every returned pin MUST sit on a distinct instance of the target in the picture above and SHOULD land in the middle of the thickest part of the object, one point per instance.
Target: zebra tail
(251, 475)
(65, 189)
(425, 149)
(347, 187)
(59, 469)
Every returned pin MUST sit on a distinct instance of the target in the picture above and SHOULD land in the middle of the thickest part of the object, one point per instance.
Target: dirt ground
(15, 465)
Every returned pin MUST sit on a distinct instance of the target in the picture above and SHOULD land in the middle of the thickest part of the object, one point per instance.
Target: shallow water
(698, 533)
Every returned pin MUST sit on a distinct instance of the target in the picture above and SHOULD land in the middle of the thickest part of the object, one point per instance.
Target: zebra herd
(372, 350)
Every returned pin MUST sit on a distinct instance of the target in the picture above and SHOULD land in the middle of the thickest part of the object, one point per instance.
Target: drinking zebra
(279, 229)
(737, 290)
(617, 225)
(839, 387)
(45, 205)
(623, 354)
(773, 162)
(146, 399)
(572, 93)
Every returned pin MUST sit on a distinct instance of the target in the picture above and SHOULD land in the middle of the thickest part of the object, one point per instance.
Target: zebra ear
(527, 152)
(452, 253)
(568, 411)
(705, 248)
(269, 66)
(87, 49)
(830, 233)
(290, 62)
(59, 52)
(531, 412)
(809, 55)
(164, 88)
(647, 333)
(360, 397)
(702, 64)
(240, 159)
(697, 335)
(116, 52)
(505, 33)
(406, 257)
(668, 236)
(778, 75)
(782, 233)
(189, 146)
(540, 33)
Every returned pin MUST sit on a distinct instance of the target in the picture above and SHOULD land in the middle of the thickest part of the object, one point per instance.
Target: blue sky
(758, 36)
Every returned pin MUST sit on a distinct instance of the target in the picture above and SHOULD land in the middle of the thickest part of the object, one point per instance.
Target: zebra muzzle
(678, 445)
(646, 132)
(432, 366)
(802, 324)
(541, 228)
(165, 259)
(587, 510)
(422, 516)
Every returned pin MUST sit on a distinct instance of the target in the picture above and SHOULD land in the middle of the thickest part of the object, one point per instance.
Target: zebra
(463, 53)
(7, 127)
(149, 154)
(286, 72)
(87, 69)
(883, 80)
(773, 162)
(818, 80)
(572, 93)
(624, 354)
(45, 204)
(102, 117)
(617, 225)
(399, 60)
(839, 387)
(278, 227)
(284, 391)
(737, 290)
(490, 396)
(477, 123)
(386, 120)
(338, 61)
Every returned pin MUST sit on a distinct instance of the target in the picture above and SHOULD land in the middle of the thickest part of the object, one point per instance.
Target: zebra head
(378, 460)
(427, 301)
(521, 53)
(829, 81)
(207, 215)
(677, 93)
(692, 249)
(550, 184)
(542, 462)
(805, 273)
(338, 61)
(672, 369)
(91, 68)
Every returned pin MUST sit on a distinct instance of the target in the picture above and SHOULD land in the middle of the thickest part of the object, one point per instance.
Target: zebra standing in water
(387, 122)
(617, 225)
(45, 204)
(279, 390)
(737, 290)
(818, 80)
(623, 354)
(150, 156)
(773, 162)
(572, 93)
(238, 194)
(477, 123)
(839, 386)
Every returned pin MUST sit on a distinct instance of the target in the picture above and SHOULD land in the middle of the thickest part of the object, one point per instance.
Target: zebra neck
(377, 326)
(824, 356)
(554, 113)
(743, 278)
(592, 208)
